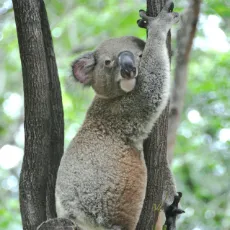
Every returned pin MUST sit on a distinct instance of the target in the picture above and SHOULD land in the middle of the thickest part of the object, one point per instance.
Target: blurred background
(201, 162)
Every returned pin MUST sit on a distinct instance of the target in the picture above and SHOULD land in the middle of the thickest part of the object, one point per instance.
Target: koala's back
(103, 180)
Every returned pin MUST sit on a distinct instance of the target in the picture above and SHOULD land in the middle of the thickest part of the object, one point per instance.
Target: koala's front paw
(165, 18)
(167, 15)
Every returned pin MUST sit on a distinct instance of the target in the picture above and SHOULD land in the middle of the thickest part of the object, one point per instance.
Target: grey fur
(102, 176)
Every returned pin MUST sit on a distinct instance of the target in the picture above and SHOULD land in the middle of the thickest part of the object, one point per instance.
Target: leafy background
(202, 156)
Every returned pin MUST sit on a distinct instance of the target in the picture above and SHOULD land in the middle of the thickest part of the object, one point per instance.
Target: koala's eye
(140, 56)
(107, 62)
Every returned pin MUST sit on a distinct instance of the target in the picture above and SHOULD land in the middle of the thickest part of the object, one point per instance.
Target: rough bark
(155, 151)
(185, 37)
(57, 120)
(43, 113)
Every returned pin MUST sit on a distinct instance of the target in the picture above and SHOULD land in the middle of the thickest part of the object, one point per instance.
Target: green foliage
(202, 154)
(203, 159)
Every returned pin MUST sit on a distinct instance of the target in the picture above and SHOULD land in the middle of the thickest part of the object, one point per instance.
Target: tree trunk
(43, 113)
(155, 150)
(57, 119)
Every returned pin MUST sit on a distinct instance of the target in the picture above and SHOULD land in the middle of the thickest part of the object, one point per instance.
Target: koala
(102, 177)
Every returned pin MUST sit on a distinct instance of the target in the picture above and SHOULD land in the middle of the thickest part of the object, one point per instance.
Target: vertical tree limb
(185, 37)
(44, 131)
(155, 151)
(57, 120)
(32, 186)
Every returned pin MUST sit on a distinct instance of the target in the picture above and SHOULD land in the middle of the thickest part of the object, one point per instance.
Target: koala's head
(112, 68)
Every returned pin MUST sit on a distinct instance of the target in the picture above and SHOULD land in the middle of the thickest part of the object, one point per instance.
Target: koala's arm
(152, 89)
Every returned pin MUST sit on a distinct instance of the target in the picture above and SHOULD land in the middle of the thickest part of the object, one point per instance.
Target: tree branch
(44, 125)
(155, 151)
(185, 36)
(33, 178)
(57, 120)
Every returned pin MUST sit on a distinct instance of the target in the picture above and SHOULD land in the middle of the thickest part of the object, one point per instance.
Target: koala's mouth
(127, 85)
(128, 78)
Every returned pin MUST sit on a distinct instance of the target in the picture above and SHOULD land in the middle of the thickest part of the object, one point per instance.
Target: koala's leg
(172, 211)
(171, 200)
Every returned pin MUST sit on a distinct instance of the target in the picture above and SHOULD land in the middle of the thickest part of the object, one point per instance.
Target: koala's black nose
(127, 63)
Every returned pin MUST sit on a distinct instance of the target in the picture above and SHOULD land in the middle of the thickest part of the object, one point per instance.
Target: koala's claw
(143, 15)
(169, 6)
(172, 211)
(143, 22)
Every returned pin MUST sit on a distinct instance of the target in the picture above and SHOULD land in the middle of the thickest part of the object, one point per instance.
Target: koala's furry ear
(82, 68)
